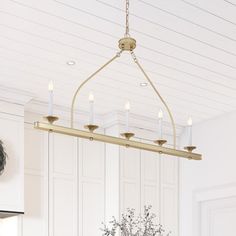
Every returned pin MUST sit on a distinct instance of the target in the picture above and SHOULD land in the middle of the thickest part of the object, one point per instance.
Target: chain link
(127, 19)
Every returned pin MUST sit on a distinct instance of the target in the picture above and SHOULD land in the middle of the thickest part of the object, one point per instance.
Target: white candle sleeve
(91, 116)
(127, 121)
(160, 128)
(50, 103)
(190, 135)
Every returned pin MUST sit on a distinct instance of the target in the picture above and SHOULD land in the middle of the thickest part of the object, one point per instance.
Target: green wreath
(3, 157)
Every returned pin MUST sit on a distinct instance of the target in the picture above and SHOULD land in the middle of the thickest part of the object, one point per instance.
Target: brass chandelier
(128, 44)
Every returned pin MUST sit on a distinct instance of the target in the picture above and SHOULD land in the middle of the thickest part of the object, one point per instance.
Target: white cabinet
(129, 179)
(64, 185)
(169, 193)
(35, 217)
(91, 187)
(150, 181)
(147, 178)
(12, 179)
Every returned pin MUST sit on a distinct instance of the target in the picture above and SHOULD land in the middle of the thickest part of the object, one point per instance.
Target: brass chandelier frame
(128, 44)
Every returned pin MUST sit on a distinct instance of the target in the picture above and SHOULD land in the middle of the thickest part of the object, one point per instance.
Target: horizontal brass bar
(115, 140)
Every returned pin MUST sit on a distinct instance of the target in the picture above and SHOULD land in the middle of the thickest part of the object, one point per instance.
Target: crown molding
(14, 96)
(12, 101)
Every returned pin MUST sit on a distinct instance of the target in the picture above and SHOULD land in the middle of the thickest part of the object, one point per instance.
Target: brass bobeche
(160, 142)
(51, 119)
(91, 128)
(190, 148)
(127, 135)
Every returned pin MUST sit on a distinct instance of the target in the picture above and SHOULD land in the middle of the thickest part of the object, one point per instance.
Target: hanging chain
(127, 19)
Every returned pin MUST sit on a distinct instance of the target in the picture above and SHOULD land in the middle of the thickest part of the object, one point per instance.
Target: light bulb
(91, 97)
(190, 121)
(70, 63)
(50, 86)
(127, 106)
(143, 84)
(160, 114)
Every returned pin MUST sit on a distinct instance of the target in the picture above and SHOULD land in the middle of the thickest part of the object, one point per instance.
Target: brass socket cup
(127, 135)
(190, 148)
(51, 119)
(91, 127)
(160, 142)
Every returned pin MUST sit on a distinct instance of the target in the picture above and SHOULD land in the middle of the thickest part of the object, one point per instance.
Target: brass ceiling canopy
(128, 44)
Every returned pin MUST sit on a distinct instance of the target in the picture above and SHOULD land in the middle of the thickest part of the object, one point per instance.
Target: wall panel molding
(226, 191)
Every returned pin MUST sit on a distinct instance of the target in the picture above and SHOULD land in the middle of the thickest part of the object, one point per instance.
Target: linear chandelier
(128, 44)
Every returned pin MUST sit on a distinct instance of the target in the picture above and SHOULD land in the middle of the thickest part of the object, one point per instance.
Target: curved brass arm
(159, 95)
(85, 81)
(145, 75)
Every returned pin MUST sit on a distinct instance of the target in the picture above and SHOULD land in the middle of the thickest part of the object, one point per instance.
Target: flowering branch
(130, 225)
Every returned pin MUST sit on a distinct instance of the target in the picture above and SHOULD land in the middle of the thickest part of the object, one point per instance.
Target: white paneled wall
(85, 182)
(149, 179)
(170, 193)
(217, 217)
(36, 156)
(62, 185)
(65, 185)
(129, 179)
(91, 187)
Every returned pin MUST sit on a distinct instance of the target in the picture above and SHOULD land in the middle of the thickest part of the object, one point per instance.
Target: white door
(218, 217)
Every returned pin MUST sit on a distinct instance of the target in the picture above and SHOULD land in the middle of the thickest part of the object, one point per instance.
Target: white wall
(212, 178)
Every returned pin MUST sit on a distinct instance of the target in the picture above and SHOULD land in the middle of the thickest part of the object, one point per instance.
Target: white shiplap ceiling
(188, 47)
